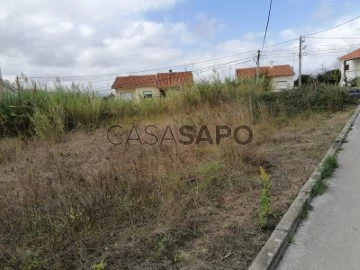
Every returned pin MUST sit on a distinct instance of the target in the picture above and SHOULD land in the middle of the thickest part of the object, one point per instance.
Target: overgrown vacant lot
(69, 199)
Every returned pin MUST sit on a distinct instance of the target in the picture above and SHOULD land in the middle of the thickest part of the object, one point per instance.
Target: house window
(127, 96)
(347, 67)
(148, 94)
(280, 85)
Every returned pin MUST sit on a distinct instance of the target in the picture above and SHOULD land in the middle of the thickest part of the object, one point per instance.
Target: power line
(271, 53)
(222, 66)
(327, 50)
(282, 43)
(287, 41)
(201, 70)
(326, 53)
(274, 53)
(267, 25)
(144, 71)
(277, 53)
(331, 28)
(156, 69)
(334, 37)
(333, 45)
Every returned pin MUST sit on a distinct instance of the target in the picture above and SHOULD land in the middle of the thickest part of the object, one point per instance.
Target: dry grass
(10, 149)
(83, 201)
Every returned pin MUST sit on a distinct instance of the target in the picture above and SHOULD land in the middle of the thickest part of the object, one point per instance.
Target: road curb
(276, 245)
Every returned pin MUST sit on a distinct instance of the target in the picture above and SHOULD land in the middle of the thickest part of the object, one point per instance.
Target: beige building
(350, 66)
(150, 86)
(282, 76)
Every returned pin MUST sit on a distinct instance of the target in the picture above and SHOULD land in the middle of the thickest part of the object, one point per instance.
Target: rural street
(330, 237)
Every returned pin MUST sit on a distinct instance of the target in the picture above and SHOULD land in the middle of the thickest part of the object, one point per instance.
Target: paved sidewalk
(330, 237)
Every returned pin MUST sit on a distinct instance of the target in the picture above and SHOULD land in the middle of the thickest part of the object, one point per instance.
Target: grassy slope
(83, 201)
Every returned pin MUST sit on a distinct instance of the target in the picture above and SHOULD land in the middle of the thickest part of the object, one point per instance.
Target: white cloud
(115, 37)
(207, 26)
(86, 30)
(81, 9)
(323, 11)
(289, 34)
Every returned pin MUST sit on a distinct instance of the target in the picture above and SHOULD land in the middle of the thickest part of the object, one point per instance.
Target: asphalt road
(330, 237)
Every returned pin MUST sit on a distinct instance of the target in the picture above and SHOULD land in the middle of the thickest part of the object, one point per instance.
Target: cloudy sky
(90, 41)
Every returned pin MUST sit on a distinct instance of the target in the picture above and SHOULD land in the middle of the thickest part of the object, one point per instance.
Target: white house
(6, 87)
(150, 86)
(282, 76)
(350, 66)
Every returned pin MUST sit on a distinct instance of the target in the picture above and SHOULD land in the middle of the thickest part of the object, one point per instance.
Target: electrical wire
(198, 71)
(157, 69)
(144, 71)
(286, 55)
(334, 37)
(267, 25)
(283, 54)
(331, 28)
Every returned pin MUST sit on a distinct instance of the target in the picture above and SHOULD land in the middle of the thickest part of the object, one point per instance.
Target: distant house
(150, 86)
(282, 76)
(350, 66)
(6, 88)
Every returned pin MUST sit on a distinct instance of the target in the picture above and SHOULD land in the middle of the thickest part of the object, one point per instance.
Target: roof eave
(347, 59)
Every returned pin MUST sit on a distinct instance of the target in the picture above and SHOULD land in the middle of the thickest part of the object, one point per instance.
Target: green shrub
(295, 101)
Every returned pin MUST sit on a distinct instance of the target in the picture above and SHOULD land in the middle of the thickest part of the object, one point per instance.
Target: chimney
(170, 70)
(271, 64)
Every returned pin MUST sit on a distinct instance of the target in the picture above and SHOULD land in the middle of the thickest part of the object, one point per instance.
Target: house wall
(283, 82)
(138, 93)
(354, 70)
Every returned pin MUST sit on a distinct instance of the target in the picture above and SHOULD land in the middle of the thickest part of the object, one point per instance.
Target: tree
(265, 80)
(329, 76)
(354, 82)
(305, 79)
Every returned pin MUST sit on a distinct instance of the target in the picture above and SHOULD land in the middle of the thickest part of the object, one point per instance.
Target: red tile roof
(174, 79)
(353, 55)
(274, 71)
(135, 81)
(160, 80)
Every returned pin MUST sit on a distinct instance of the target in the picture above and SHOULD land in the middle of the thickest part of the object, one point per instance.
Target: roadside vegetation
(71, 200)
(328, 169)
(52, 114)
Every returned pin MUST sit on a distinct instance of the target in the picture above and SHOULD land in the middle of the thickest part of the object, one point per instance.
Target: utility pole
(345, 78)
(170, 72)
(18, 85)
(300, 57)
(257, 65)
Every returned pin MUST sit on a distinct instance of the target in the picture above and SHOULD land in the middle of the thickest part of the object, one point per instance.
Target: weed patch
(329, 167)
(265, 199)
